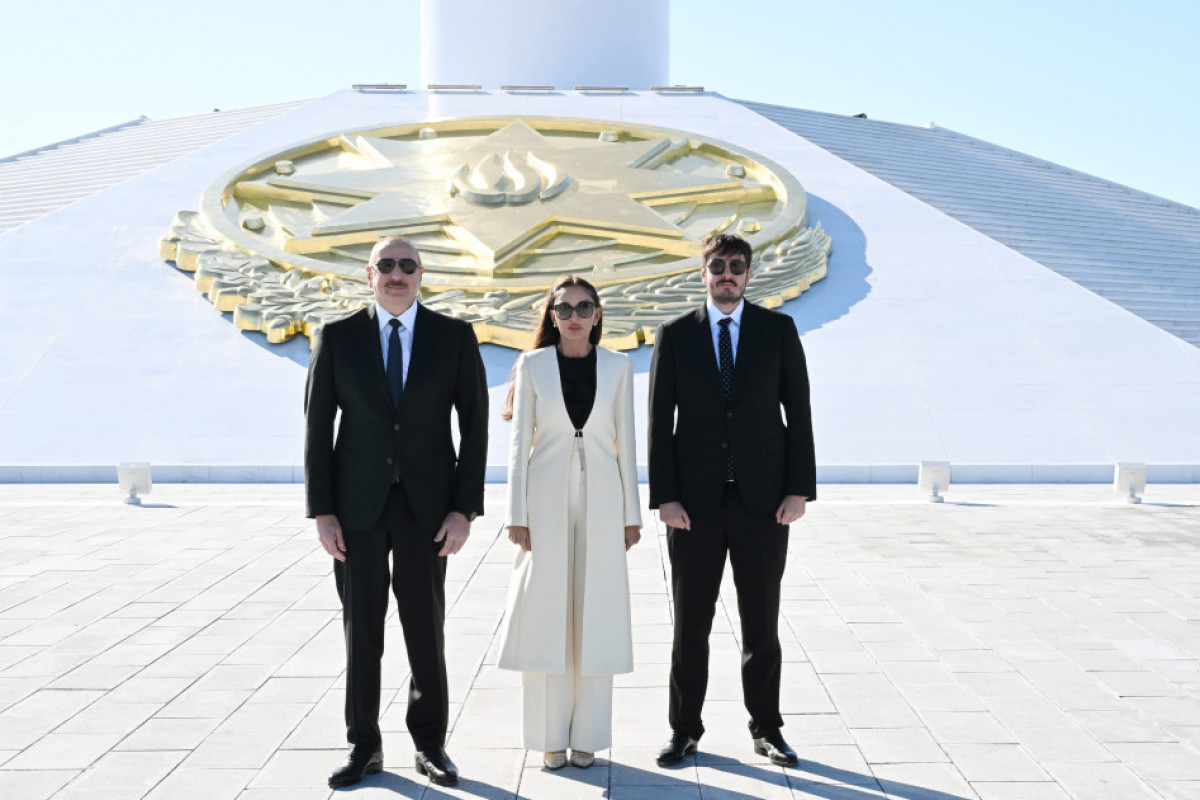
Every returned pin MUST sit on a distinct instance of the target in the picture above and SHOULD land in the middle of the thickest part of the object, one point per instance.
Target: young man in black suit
(731, 466)
(392, 481)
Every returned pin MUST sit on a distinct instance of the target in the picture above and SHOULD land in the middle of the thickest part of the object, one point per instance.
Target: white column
(563, 43)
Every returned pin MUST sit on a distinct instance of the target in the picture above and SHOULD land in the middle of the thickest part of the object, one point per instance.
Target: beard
(727, 292)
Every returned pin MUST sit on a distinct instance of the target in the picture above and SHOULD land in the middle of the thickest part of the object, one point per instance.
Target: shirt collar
(715, 314)
(383, 317)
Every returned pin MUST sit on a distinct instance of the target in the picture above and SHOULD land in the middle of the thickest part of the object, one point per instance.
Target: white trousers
(569, 709)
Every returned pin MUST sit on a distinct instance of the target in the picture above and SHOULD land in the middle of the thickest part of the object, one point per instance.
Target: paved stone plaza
(1016, 642)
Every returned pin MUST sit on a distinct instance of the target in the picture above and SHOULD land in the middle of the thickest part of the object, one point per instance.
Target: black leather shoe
(358, 764)
(772, 745)
(675, 750)
(437, 766)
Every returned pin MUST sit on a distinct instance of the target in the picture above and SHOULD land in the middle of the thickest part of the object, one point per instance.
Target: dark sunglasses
(717, 267)
(584, 308)
(406, 265)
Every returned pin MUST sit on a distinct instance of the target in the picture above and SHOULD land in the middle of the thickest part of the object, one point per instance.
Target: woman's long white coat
(533, 637)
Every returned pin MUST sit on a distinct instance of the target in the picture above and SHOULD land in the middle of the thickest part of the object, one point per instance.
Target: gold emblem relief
(499, 208)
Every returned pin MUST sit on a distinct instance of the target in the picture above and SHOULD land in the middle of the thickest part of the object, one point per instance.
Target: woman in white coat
(573, 512)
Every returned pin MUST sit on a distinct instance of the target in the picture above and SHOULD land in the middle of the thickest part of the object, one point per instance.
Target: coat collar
(543, 363)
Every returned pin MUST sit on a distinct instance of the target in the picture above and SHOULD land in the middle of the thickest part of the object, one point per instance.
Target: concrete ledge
(160, 473)
(830, 473)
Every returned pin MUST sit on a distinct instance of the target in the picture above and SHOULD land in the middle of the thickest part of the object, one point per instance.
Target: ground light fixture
(134, 478)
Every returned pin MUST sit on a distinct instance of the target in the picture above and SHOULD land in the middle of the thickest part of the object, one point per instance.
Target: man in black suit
(392, 481)
(731, 466)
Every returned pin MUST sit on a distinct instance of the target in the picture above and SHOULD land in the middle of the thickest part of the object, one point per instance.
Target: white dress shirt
(715, 315)
(407, 320)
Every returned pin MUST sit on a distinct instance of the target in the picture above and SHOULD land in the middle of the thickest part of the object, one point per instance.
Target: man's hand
(329, 531)
(519, 535)
(455, 530)
(791, 509)
(673, 514)
(633, 535)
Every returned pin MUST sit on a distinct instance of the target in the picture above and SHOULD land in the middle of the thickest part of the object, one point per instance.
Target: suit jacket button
(724, 445)
(728, 415)
(396, 427)
(389, 461)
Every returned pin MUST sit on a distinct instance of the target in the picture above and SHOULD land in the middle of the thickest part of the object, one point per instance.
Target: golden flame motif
(509, 178)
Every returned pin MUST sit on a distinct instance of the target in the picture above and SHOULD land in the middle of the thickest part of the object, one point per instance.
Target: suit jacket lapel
(372, 351)
(748, 342)
(421, 353)
(704, 341)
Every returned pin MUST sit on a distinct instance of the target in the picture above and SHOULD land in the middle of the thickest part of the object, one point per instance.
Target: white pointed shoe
(555, 760)
(582, 759)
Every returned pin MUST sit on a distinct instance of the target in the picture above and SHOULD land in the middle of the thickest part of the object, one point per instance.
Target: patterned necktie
(395, 363)
(725, 358)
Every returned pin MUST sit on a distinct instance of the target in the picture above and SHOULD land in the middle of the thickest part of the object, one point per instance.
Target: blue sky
(1110, 88)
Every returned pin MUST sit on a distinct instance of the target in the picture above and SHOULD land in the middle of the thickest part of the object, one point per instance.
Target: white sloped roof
(928, 339)
(35, 183)
(1139, 251)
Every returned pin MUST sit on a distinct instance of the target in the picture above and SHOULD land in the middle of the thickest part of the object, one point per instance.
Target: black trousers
(418, 579)
(757, 548)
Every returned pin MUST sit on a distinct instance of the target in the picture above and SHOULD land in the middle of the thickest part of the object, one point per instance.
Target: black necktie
(725, 358)
(395, 363)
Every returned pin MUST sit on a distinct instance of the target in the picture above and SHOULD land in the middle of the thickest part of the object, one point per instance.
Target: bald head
(386, 241)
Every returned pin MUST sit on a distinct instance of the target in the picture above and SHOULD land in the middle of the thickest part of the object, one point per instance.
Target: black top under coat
(578, 378)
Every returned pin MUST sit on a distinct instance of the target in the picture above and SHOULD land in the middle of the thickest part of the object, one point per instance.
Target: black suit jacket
(350, 477)
(692, 423)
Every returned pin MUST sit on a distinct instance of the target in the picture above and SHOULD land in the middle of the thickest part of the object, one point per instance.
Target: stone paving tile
(737, 781)
(1039, 643)
(294, 794)
(690, 792)
(966, 727)
(494, 773)
(897, 746)
(923, 782)
(1054, 744)
(34, 785)
(169, 734)
(1179, 790)
(1115, 726)
(834, 764)
(568, 783)
(119, 775)
(64, 751)
(995, 762)
(1159, 761)
(105, 716)
(1019, 790)
(1099, 780)
(141, 689)
(201, 784)
(226, 750)
(297, 769)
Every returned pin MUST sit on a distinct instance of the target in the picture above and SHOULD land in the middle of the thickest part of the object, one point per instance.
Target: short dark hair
(724, 244)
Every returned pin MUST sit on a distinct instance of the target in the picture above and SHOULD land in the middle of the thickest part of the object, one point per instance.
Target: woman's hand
(519, 535)
(633, 535)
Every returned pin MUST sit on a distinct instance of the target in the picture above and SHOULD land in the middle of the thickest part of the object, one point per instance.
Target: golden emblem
(499, 208)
